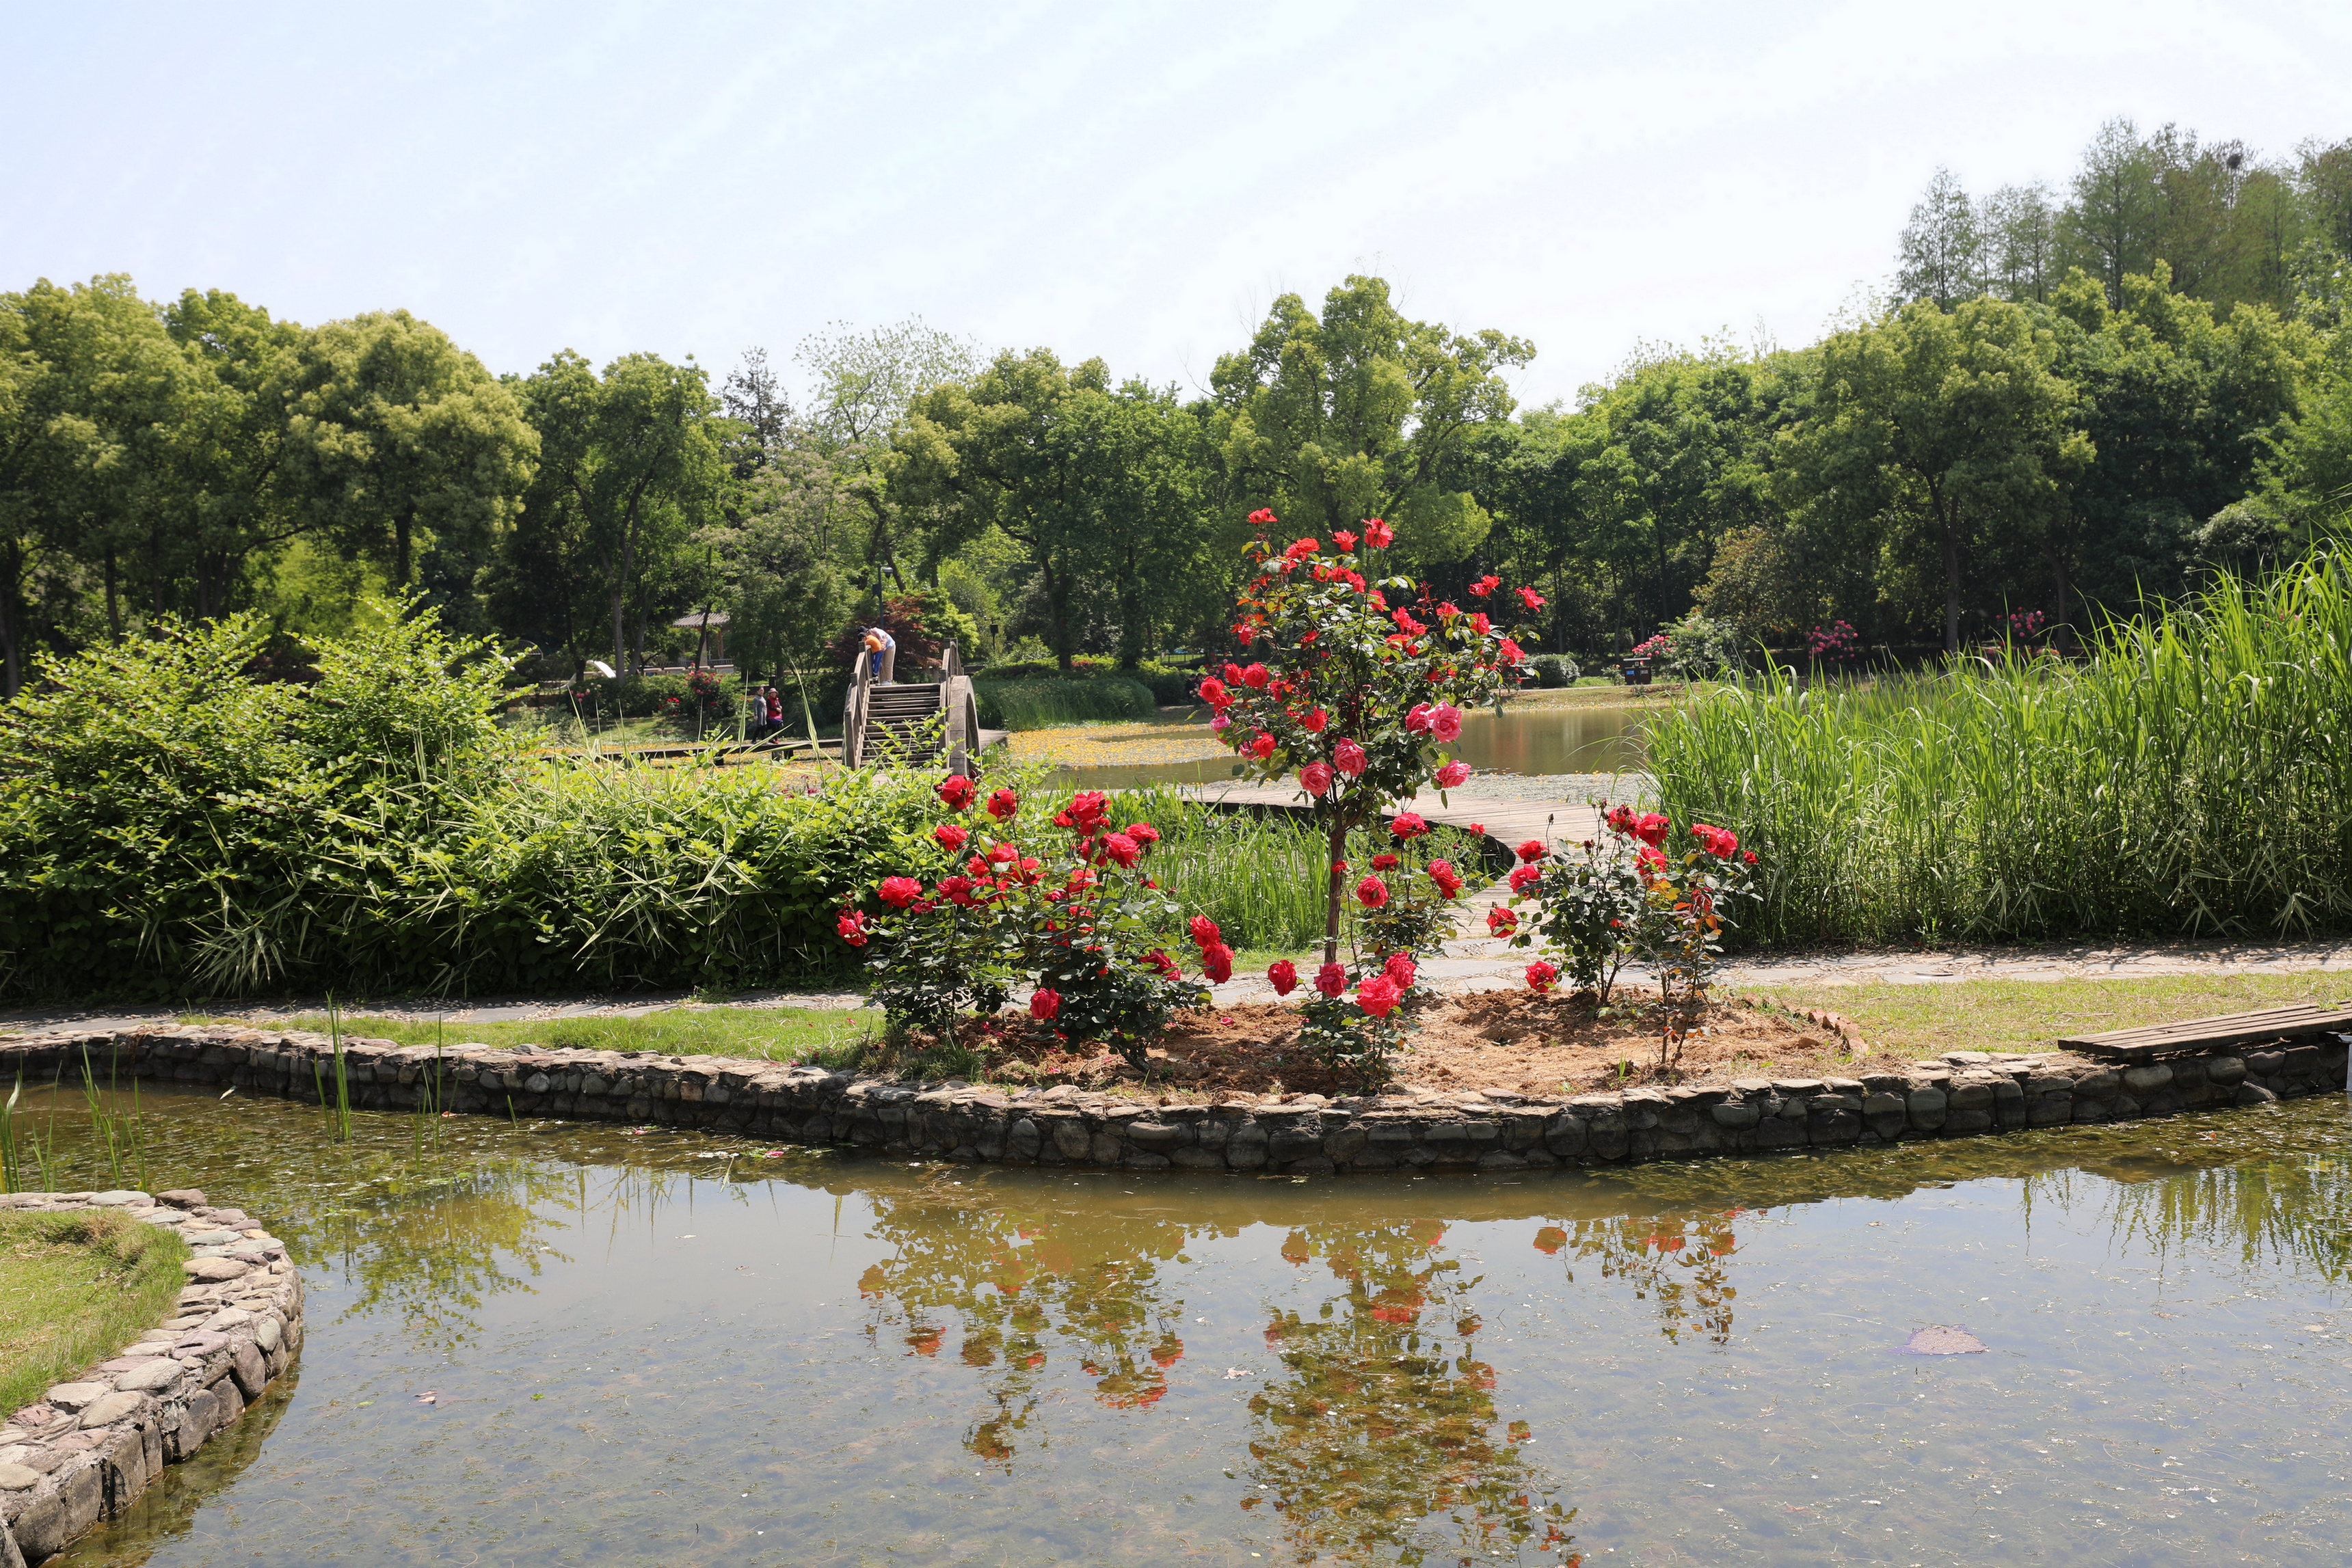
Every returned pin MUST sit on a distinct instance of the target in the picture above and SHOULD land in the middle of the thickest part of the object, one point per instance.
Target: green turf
(780, 1034)
(79, 1287)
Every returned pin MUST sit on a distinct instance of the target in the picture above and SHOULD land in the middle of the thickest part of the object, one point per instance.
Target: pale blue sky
(1137, 182)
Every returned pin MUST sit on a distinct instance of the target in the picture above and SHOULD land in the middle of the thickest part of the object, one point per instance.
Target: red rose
(1213, 693)
(1749, 855)
(1540, 977)
(1448, 880)
(1262, 747)
(1143, 833)
(851, 923)
(1044, 1006)
(1122, 849)
(1315, 778)
(1217, 963)
(1372, 893)
(1720, 842)
(1509, 652)
(1378, 534)
(1283, 975)
(1408, 825)
(1530, 597)
(1003, 853)
(1479, 829)
(1315, 721)
(1399, 969)
(1165, 963)
(1204, 931)
(1350, 758)
(1502, 922)
(1345, 539)
(1385, 863)
(956, 791)
(957, 889)
(900, 891)
(1262, 516)
(1533, 849)
(1651, 827)
(1330, 979)
(1524, 877)
(1003, 804)
(1299, 550)
(1378, 996)
(949, 837)
(1255, 678)
(1485, 585)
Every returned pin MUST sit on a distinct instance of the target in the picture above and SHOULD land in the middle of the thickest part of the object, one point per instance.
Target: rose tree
(1355, 689)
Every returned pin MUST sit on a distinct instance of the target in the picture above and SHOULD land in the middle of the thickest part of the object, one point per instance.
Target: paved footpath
(1510, 810)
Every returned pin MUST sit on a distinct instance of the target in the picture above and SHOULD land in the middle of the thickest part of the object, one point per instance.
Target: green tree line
(2069, 400)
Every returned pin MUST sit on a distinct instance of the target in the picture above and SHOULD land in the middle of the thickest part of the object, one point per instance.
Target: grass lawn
(778, 1034)
(2029, 1015)
(80, 1286)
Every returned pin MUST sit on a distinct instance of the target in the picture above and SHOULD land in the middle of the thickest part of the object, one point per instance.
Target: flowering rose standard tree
(1624, 897)
(1355, 689)
(1073, 914)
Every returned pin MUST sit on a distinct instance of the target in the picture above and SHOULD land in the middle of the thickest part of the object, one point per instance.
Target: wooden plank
(2295, 1021)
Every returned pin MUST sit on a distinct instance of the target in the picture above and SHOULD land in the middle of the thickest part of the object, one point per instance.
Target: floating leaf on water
(1942, 1339)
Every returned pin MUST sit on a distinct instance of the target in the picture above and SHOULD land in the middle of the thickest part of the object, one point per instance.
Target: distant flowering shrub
(1835, 643)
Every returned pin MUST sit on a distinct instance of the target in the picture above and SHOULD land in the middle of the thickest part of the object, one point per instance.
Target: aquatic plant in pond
(2191, 776)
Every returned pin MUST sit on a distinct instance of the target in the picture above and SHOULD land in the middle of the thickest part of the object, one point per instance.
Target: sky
(1137, 182)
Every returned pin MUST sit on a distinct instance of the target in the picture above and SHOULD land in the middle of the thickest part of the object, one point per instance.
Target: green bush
(1043, 703)
(2192, 777)
(1554, 670)
(169, 826)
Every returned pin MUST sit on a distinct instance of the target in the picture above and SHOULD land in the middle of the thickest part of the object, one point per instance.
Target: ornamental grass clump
(1072, 916)
(1354, 689)
(1626, 898)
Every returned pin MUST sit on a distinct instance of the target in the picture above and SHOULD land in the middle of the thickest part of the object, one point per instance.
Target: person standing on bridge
(882, 649)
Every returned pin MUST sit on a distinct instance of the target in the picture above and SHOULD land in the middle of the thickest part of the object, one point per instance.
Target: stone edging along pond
(1968, 1092)
(92, 1445)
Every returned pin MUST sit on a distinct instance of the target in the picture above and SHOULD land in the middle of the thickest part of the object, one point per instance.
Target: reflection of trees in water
(2293, 1210)
(1679, 1262)
(1008, 1271)
(1379, 1439)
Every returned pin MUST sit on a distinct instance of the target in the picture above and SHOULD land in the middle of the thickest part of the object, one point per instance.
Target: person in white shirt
(883, 650)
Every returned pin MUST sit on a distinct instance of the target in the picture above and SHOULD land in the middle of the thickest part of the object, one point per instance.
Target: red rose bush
(1352, 685)
(1068, 912)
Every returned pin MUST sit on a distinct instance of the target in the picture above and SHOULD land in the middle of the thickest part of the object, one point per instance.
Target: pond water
(1583, 740)
(672, 1349)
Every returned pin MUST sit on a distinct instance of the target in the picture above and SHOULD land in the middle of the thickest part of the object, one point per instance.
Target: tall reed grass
(2191, 776)
(1043, 704)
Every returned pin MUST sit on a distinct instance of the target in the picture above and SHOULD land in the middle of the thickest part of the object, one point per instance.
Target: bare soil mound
(1514, 1040)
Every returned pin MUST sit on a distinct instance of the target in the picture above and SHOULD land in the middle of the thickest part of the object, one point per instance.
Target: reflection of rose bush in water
(1676, 1261)
(1378, 1433)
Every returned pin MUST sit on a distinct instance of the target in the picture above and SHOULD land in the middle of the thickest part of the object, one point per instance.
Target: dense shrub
(1555, 670)
(2192, 777)
(169, 825)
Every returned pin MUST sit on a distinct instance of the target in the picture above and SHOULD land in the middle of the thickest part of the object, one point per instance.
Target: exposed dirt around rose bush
(1514, 1040)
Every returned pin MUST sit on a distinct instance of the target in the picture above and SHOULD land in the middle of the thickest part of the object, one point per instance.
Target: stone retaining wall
(92, 1445)
(1967, 1092)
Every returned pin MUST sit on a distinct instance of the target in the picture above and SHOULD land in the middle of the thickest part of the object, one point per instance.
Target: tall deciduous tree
(395, 432)
(1349, 414)
(1941, 245)
(636, 455)
(1945, 425)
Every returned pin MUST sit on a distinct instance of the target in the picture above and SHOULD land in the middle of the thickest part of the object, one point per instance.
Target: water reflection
(823, 1355)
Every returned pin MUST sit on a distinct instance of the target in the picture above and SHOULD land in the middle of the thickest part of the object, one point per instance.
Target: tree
(1946, 425)
(394, 435)
(1941, 245)
(2019, 234)
(1099, 482)
(2111, 224)
(90, 388)
(636, 455)
(1348, 416)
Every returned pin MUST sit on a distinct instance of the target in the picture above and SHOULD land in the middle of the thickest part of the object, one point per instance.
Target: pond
(672, 1349)
(1578, 739)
